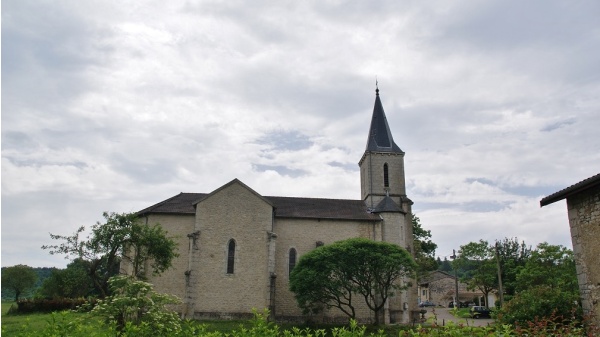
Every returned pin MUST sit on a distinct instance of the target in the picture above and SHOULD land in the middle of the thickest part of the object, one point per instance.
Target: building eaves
(571, 190)
(182, 203)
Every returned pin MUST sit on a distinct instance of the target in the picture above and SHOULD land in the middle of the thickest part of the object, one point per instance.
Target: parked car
(426, 304)
(460, 305)
(480, 312)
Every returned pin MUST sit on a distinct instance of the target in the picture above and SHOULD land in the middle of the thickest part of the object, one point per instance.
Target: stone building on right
(583, 206)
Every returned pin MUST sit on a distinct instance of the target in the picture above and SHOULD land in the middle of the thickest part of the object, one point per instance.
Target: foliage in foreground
(134, 303)
(72, 324)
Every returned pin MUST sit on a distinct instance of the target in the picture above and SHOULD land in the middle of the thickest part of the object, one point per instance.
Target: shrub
(50, 305)
(134, 305)
(538, 303)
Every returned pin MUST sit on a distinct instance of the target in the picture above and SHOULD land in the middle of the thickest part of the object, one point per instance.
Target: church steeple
(380, 137)
(382, 164)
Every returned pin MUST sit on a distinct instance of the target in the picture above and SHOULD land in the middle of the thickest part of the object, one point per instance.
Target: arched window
(292, 260)
(386, 180)
(230, 256)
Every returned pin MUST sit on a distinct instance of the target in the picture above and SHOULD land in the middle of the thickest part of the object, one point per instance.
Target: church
(238, 247)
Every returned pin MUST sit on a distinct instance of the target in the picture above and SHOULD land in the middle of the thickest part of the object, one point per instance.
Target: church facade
(237, 247)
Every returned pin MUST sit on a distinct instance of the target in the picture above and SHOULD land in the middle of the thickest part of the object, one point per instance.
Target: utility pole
(453, 257)
(500, 290)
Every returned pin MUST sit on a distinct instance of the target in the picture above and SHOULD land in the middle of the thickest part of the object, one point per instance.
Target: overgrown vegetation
(83, 325)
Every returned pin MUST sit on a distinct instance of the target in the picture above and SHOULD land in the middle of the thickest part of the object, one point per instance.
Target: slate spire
(380, 137)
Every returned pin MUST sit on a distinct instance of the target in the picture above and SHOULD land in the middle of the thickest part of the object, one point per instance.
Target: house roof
(285, 207)
(380, 137)
(571, 190)
(435, 276)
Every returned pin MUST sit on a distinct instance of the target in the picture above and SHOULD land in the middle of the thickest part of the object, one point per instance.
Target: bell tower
(382, 164)
(383, 190)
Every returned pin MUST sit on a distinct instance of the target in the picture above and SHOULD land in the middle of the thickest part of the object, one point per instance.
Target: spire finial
(376, 86)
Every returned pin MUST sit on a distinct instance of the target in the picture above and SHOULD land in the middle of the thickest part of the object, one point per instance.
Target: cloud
(114, 107)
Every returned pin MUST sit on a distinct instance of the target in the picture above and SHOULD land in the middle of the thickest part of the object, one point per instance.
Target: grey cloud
(283, 170)
(153, 171)
(285, 140)
(559, 124)
(353, 167)
(538, 23)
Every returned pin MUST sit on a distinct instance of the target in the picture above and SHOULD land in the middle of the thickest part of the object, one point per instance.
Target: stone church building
(237, 247)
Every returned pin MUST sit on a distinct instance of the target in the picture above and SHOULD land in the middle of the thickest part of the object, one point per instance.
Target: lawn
(30, 324)
(14, 324)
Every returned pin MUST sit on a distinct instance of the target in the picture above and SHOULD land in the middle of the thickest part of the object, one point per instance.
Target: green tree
(424, 248)
(546, 287)
(330, 276)
(551, 265)
(477, 259)
(72, 282)
(513, 255)
(444, 265)
(122, 236)
(19, 279)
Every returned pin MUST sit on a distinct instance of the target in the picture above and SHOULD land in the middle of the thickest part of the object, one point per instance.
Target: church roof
(380, 137)
(285, 207)
(387, 205)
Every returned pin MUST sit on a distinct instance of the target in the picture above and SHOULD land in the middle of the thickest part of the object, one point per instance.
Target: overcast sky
(115, 106)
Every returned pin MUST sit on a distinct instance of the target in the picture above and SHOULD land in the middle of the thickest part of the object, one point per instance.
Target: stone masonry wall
(232, 212)
(584, 220)
(172, 281)
(372, 176)
(303, 235)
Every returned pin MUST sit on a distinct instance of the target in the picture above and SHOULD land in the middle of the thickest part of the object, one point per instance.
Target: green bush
(49, 305)
(540, 302)
(79, 325)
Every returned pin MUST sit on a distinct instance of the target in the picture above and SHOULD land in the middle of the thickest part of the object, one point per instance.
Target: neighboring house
(583, 206)
(439, 287)
(238, 247)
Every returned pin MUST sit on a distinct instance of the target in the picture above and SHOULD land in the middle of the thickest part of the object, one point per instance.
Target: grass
(29, 324)
(15, 324)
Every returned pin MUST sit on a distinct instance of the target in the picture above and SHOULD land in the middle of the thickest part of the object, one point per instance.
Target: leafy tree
(477, 258)
(552, 265)
(546, 287)
(18, 278)
(424, 248)
(123, 236)
(330, 276)
(541, 301)
(444, 265)
(512, 255)
(72, 282)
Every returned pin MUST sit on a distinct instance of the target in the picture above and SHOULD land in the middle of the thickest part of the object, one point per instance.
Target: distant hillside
(43, 273)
